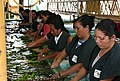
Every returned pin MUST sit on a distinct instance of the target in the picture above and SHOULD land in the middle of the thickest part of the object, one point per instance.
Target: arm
(41, 40)
(24, 24)
(109, 79)
(57, 56)
(28, 32)
(71, 70)
(40, 55)
(53, 55)
(56, 63)
(45, 50)
(81, 74)
(46, 29)
(33, 34)
(70, 39)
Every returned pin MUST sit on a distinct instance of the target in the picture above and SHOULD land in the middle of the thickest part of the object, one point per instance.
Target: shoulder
(35, 22)
(65, 33)
(46, 26)
(75, 37)
(49, 35)
(115, 52)
(90, 42)
(91, 39)
(70, 38)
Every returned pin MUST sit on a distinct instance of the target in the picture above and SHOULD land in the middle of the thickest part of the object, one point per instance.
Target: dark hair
(107, 26)
(27, 11)
(57, 21)
(34, 12)
(86, 20)
(46, 13)
(39, 14)
(21, 9)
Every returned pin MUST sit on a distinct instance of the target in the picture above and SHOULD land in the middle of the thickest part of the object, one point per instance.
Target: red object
(46, 29)
(118, 28)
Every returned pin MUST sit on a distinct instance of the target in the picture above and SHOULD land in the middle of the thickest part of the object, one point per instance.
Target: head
(39, 18)
(39, 14)
(34, 14)
(44, 15)
(56, 24)
(25, 12)
(21, 10)
(83, 25)
(105, 33)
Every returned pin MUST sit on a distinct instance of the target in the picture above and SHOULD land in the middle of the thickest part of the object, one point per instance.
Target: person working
(79, 49)
(59, 38)
(104, 63)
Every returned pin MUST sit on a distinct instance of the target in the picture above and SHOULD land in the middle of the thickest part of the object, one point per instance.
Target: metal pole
(28, 3)
(3, 68)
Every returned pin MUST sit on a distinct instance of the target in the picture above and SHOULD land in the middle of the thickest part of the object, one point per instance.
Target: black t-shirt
(26, 19)
(49, 35)
(34, 26)
(107, 66)
(80, 54)
(62, 42)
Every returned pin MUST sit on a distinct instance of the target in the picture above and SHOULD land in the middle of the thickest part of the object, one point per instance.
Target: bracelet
(60, 75)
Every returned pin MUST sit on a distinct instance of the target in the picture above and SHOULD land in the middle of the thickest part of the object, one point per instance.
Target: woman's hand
(55, 76)
(40, 56)
(31, 44)
(73, 80)
(55, 64)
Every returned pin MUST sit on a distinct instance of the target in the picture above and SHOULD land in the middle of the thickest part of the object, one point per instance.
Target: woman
(58, 40)
(104, 63)
(33, 26)
(80, 48)
(42, 28)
